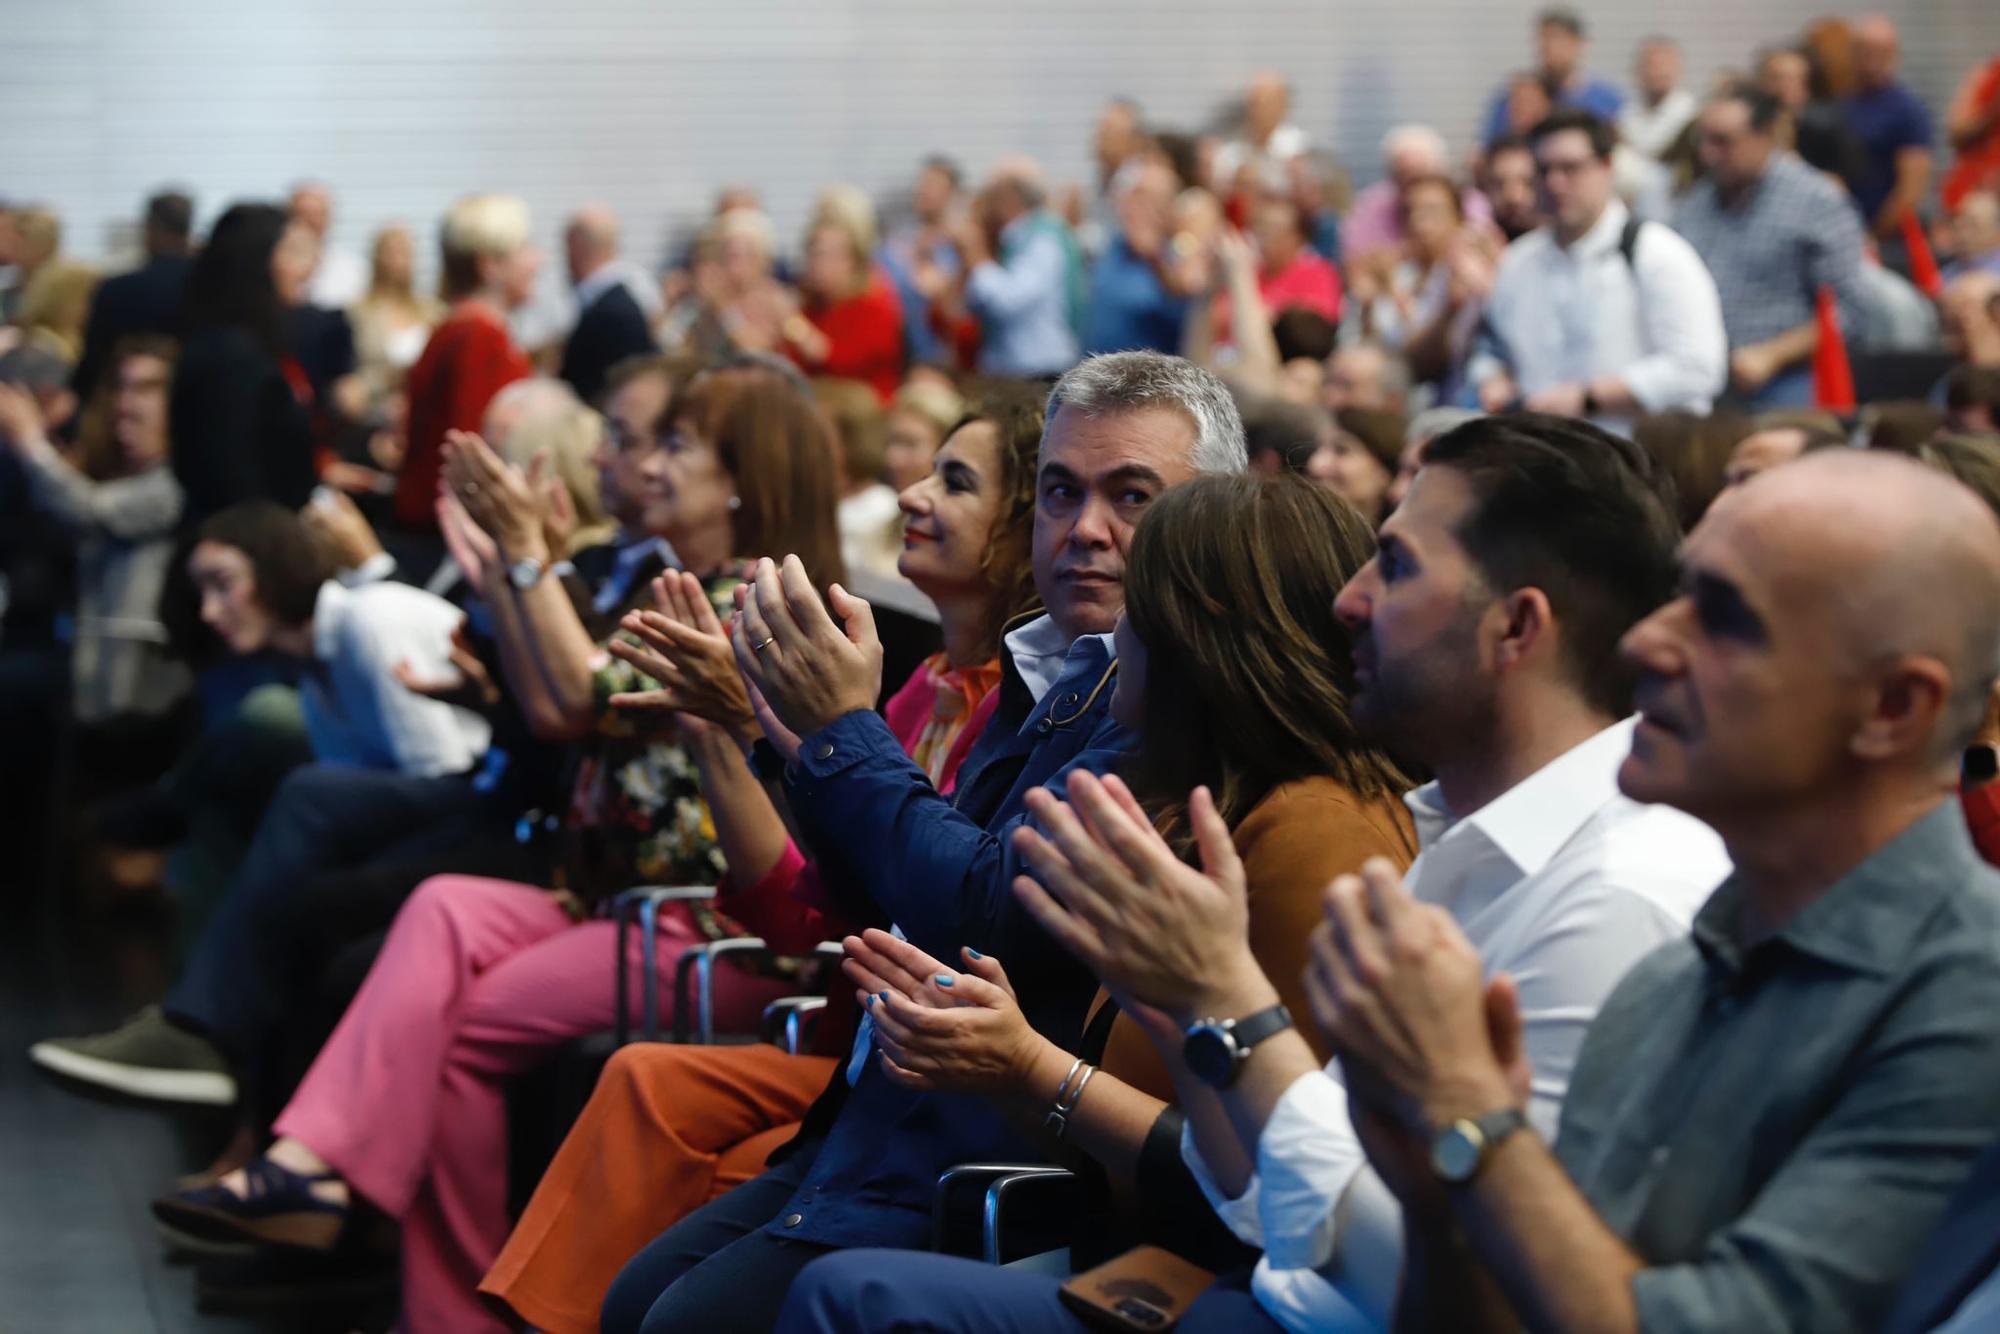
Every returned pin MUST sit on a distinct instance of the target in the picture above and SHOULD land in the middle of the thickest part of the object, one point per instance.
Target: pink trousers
(477, 981)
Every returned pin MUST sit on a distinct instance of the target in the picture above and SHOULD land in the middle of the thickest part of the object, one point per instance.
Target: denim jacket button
(824, 750)
(1045, 726)
(793, 1220)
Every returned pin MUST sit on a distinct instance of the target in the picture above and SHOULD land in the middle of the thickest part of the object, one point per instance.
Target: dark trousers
(322, 818)
(715, 1270)
(874, 1292)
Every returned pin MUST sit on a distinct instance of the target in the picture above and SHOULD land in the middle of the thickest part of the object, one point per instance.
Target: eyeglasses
(673, 443)
(1565, 167)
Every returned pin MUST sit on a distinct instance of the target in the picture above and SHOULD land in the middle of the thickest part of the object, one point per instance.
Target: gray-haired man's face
(1096, 477)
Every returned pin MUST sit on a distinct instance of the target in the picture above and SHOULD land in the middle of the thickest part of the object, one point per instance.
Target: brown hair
(1694, 450)
(780, 450)
(1411, 187)
(1230, 587)
(1381, 433)
(859, 424)
(97, 437)
(1016, 417)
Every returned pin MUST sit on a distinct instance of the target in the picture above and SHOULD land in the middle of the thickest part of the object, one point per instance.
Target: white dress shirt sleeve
(1682, 317)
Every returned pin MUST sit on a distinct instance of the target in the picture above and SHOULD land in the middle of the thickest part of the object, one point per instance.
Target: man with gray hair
(1024, 276)
(1121, 429)
(1409, 153)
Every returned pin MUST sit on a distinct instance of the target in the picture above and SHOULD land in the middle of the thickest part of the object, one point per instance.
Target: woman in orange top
(669, 1127)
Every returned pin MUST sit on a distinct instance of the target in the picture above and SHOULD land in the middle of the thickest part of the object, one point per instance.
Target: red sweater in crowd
(470, 358)
(866, 333)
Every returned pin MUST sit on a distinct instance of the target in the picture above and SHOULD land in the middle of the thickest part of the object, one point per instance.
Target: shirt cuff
(1239, 1215)
(1307, 1157)
(371, 571)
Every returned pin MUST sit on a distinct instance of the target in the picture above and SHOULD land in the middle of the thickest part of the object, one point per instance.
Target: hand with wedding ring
(806, 667)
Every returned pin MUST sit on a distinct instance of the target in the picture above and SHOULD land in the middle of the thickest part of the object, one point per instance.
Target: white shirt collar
(330, 611)
(1602, 236)
(1040, 650)
(1530, 821)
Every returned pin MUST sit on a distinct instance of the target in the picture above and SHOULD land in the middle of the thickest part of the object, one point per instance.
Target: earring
(735, 503)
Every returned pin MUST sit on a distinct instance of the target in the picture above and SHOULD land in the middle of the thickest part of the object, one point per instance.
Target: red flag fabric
(1923, 264)
(1833, 377)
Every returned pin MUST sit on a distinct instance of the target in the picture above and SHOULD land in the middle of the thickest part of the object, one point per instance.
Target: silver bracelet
(1058, 1117)
(1062, 1089)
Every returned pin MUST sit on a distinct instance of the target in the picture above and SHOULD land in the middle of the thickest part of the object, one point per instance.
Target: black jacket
(239, 432)
(144, 301)
(609, 330)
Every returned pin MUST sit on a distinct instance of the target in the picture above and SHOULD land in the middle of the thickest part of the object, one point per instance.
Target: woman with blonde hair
(392, 321)
(849, 324)
(921, 415)
(544, 416)
(489, 271)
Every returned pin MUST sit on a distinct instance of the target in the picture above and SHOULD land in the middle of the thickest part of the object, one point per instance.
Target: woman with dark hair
(240, 416)
(671, 1126)
(1357, 459)
(1229, 591)
(479, 978)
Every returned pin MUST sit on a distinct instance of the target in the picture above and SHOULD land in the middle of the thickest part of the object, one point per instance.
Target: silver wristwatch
(526, 572)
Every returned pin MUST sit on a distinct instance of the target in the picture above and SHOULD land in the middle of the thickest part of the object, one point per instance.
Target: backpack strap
(1628, 244)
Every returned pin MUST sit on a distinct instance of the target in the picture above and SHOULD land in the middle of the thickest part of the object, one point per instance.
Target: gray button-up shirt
(1776, 1128)
(1773, 247)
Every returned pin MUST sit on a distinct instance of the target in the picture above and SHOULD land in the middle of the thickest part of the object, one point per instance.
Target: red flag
(1833, 378)
(1923, 264)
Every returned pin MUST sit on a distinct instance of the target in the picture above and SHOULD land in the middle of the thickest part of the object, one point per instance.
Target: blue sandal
(278, 1209)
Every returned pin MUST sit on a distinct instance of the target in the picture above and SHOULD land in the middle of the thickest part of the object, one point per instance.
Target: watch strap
(1253, 1029)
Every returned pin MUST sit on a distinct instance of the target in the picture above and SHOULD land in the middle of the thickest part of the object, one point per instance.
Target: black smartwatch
(1979, 765)
(1215, 1049)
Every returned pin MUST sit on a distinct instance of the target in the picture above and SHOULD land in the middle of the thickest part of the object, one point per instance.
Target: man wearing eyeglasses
(1773, 232)
(1595, 314)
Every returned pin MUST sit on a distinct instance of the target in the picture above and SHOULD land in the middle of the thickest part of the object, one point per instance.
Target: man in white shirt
(1269, 140)
(1655, 118)
(1486, 639)
(1595, 315)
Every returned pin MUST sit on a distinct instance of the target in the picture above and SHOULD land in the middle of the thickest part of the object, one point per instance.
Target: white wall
(649, 105)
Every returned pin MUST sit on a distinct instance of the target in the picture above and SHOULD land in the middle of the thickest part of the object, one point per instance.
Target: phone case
(1144, 1290)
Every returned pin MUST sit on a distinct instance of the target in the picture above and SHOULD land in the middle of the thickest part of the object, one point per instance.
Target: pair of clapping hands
(782, 667)
(1396, 987)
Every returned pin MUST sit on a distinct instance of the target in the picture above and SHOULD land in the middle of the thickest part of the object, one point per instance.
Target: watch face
(1211, 1055)
(1455, 1156)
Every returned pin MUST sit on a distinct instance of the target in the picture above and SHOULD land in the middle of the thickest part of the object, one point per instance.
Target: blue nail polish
(885, 995)
(944, 979)
(871, 1000)
(973, 953)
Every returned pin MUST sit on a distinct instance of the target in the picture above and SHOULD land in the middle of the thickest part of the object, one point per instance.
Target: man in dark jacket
(610, 326)
(1121, 429)
(145, 301)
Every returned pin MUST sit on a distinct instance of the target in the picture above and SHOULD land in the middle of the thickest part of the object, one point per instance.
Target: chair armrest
(642, 904)
(1037, 1179)
(986, 1176)
(699, 961)
(788, 1015)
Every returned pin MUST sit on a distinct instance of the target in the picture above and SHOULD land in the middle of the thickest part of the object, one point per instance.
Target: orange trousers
(667, 1129)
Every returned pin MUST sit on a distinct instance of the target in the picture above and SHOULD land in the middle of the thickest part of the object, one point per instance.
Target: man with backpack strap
(1595, 314)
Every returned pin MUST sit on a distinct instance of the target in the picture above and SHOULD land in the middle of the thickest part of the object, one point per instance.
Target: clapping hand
(1108, 887)
(809, 670)
(504, 501)
(960, 1032)
(472, 688)
(684, 647)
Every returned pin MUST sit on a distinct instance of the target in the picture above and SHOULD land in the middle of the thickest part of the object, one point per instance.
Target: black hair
(286, 560)
(1583, 515)
(170, 215)
(1508, 143)
(1561, 16)
(1603, 139)
(1763, 108)
(1303, 333)
(230, 285)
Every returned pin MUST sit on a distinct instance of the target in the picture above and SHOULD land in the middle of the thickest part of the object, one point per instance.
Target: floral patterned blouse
(636, 814)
